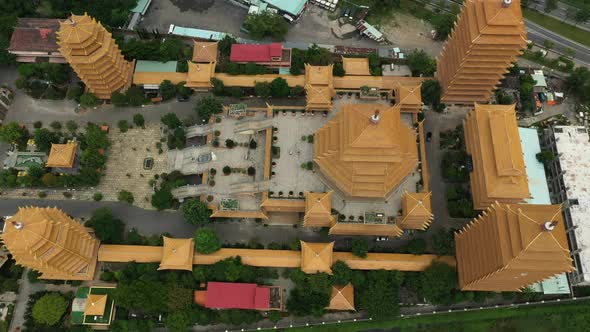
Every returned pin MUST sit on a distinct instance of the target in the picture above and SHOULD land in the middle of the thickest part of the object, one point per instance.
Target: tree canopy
(167, 89)
(12, 132)
(311, 295)
(279, 87)
(421, 63)
(108, 228)
(266, 24)
(380, 294)
(263, 89)
(208, 106)
(431, 92)
(196, 212)
(438, 282)
(49, 309)
(206, 241)
(360, 247)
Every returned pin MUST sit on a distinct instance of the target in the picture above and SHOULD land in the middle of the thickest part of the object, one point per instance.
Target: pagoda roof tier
(364, 157)
(416, 211)
(342, 298)
(318, 210)
(177, 254)
(316, 257)
(493, 141)
(511, 246)
(47, 240)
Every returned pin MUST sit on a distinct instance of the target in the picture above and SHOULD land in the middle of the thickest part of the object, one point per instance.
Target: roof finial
(549, 226)
(506, 3)
(375, 117)
(17, 225)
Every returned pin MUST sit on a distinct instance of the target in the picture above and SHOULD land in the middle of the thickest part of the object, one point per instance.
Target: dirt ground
(409, 32)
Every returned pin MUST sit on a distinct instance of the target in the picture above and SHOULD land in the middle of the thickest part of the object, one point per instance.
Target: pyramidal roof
(316, 257)
(318, 209)
(365, 150)
(95, 304)
(417, 213)
(342, 298)
(177, 254)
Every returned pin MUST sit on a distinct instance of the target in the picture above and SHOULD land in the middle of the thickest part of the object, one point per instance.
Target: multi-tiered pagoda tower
(486, 40)
(49, 241)
(93, 54)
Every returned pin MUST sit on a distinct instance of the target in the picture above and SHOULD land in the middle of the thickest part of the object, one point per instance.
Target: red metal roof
(34, 34)
(228, 295)
(255, 53)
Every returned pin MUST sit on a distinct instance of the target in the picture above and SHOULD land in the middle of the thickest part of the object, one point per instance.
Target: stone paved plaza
(124, 168)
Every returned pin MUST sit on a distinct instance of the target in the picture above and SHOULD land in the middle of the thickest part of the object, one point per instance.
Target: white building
(569, 183)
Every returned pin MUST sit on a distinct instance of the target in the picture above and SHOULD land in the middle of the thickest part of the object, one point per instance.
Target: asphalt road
(560, 13)
(538, 34)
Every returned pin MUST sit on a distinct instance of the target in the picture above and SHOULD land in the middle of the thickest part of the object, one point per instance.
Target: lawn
(570, 316)
(567, 30)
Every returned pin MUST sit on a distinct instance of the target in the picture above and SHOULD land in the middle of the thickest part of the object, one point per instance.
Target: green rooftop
(79, 305)
(141, 7)
(145, 66)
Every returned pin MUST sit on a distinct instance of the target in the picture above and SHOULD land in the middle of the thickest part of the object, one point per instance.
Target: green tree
(125, 196)
(171, 49)
(206, 241)
(338, 70)
(44, 138)
(119, 99)
(92, 158)
(279, 87)
(578, 83)
(123, 125)
(49, 309)
(263, 89)
(438, 283)
(266, 24)
(89, 100)
(135, 96)
(162, 199)
(207, 106)
(168, 90)
(431, 92)
(217, 87)
(182, 90)
(36, 172)
(177, 321)
(72, 126)
(177, 139)
(138, 120)
(196, 212)
(421, 63)
(545, 156)
(12, 132)
(108, 228)
(379, 296)
(74, 92)
(582, 15)
(225, 44)
(171, 120)
(141, 294)
(550, 5)
(416, 246)
(360, 247)
(548, 44)
(179, 298)
(341, 273)
(95, 138)
(503, 98)
(443, 242)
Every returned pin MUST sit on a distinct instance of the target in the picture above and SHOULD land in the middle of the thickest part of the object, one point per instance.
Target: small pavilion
(342, 298)
(316, 257)
(177, 254)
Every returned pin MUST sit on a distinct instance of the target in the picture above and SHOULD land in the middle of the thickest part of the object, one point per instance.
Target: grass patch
(567, 30)
(568, 316)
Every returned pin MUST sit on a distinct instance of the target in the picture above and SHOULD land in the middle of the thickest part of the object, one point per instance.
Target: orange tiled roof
(362, 158)
(316, 257)
(205, 52)
(511, 246)
(62, 155)
(493, 141)
(177, 254)
(346, 228)
(200, 74)
(342, 298)
(318, 210)
(417, 213)
(95, 305)
(356, 66)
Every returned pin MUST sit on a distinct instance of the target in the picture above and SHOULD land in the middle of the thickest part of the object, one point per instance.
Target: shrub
(263, 89)
(226, 170)
(230, 144)
(118, 99)
(279, 87)
(206, 241)
(310, 138)
(125, 196)
(56, 125)
(71, 125)
(297, 91)
(338, 70)
(89, 100)
(309, 165)
(360, 247)
(212, 171)
(251, 171)
(42, 194)
(123, 125)
(252, 144)
(196, 212)
(138, 120)
(37, 124)
(97, 196)
(208, 106)
(74, 92)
